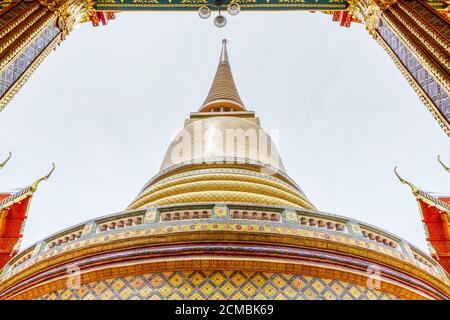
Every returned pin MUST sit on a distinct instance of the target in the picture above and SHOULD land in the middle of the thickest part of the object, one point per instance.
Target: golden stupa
(223, 220)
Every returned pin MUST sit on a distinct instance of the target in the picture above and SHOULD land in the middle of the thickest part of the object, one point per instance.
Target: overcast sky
(105, 104)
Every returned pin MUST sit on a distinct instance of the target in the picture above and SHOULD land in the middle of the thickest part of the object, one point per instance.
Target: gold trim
(234, 174)
(44, 178)
(419, 52)
(223, 91)
(24, 77)
(218, 263)
(12, 24)
(222, 182)
(262, 6)
(11, 5)
(224, 165)
(419, 20)
(422, 195)
(22, 44)
(438, 116)
(25, 192)
(218, 196)
(413, 187)
(22, 28)
(96, 247)
(435, 50)
(437, 14)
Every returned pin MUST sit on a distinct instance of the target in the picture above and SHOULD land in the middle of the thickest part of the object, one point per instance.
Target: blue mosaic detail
(16, 69)
(425, 80)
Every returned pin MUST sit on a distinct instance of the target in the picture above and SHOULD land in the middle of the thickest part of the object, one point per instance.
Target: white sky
(104, 106)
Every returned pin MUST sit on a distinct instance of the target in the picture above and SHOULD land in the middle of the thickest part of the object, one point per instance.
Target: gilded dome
(222, 129)
(212, 139)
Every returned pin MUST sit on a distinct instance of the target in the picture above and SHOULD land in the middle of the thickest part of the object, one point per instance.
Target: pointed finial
(224, 53)
(35, 184)
(413, 187)
(7, 159)
(223, 94)
(443, 164)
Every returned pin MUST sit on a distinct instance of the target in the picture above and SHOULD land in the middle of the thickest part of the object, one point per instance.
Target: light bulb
(220, 21)
(204, 12)
(233, 8)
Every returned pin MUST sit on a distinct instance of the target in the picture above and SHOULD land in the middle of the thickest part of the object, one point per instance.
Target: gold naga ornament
(68, 12)
(443, 164)
(6, 161)
(370, 13)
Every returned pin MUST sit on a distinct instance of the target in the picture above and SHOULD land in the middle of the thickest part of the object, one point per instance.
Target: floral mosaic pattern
(218, 285)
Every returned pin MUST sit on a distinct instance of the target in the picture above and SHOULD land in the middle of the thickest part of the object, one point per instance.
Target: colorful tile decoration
(353, 238)
(150, 216)
(17, 68)
(216, 285)
(291, 216)
(221, 212)
(435, 92)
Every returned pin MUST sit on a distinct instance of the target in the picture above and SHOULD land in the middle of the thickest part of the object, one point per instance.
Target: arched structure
(221, 223)
(415, 34)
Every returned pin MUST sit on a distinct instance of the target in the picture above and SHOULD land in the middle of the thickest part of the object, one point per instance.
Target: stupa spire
(224, 53)
(223, 95)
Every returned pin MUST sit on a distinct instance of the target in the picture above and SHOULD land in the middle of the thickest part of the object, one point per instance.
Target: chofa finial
(35, 184)
(413, 187)
(7, 159)
(443, 164)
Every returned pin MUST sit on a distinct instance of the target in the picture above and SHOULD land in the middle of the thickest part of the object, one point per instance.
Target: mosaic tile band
(26, 58)
(422, 76)
(236, 285)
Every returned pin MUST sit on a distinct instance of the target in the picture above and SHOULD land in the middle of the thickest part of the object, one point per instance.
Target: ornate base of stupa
(228, 251)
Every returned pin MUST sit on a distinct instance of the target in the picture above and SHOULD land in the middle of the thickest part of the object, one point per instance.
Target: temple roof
(13, 215)
(15, 197)
(435, 215)
(223, 92)
(427, 197)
